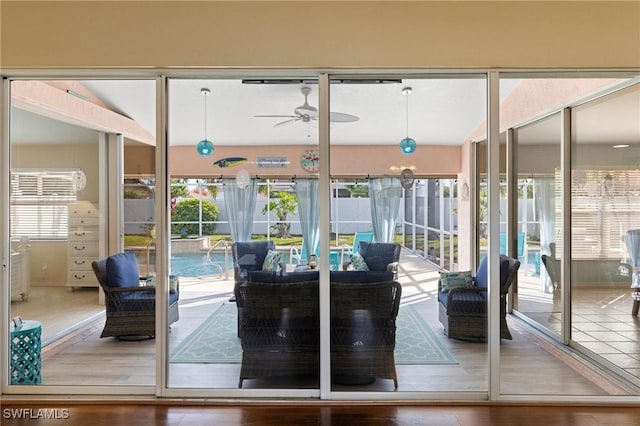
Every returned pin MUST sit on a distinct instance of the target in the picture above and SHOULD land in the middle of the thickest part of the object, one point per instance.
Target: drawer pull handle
(79, 277)
(79, 262)
(79, 248)
(79, 233)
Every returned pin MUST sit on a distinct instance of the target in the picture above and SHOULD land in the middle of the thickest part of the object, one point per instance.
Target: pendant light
(407, 145)
(205, 147)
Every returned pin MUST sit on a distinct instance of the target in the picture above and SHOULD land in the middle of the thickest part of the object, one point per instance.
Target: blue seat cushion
(122, 270)
(481, 274)
(365, 277)
(465, 301)
(173, 297)
(275, 277)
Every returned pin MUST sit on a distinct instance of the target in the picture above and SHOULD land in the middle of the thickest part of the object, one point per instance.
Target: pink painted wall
(427, 161)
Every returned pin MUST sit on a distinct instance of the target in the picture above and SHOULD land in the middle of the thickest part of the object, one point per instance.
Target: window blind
(39, 203)
(604, 205)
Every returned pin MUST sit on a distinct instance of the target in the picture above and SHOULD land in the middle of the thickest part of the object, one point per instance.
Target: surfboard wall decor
(229, 162)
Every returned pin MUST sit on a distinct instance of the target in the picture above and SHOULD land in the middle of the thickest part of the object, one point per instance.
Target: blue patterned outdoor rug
(215, 341)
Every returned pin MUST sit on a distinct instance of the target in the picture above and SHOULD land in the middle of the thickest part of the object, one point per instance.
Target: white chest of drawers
(84, 244)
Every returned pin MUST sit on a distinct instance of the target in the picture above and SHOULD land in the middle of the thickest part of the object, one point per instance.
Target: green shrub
(187, 211)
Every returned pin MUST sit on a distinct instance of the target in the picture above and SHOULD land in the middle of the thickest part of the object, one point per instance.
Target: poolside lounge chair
(300, 256)
(348, 250)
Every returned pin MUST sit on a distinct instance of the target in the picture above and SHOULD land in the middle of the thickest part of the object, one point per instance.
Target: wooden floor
(317, 414)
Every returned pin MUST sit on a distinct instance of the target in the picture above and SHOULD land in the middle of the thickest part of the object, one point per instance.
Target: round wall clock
(310, 160)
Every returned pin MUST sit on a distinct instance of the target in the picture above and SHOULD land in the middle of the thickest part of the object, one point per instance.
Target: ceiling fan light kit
(205, 147)
(407, 145)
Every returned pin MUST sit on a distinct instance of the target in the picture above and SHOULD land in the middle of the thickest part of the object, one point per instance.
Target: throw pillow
(272, 261)
(364, 277)
(122, 270)
(449, 280)
(358, 262)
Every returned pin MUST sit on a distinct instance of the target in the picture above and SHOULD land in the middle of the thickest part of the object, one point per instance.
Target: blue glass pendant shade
(407, 146)
(205, 148)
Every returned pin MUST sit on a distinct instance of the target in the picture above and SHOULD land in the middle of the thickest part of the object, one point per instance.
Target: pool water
(197, 264)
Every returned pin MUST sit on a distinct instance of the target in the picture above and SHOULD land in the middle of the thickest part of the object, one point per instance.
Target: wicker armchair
(130, 308)
(363, 331)
(280, 329)
(463, 310)
(247, 256)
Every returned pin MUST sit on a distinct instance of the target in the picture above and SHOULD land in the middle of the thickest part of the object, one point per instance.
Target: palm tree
(283, 204)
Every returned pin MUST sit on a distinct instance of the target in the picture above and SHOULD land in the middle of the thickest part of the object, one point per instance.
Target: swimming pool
(197, 264)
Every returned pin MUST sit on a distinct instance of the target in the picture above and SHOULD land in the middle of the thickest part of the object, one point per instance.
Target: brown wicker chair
(363, 331)
(463, 310)
(130, 309)
(280, 329)
(247, 256)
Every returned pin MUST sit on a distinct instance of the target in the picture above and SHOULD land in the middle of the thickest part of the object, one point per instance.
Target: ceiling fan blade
(276, 116)
(287, 122)
(340, 117)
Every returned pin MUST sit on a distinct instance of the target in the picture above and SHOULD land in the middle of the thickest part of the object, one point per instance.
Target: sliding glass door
(67, 147)
(605, 187)
(390, 328)
(244, 242)
(251, 244)
(574, 157)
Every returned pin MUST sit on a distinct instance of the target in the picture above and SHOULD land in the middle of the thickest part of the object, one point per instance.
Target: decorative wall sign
(310, 160)
(229, 162)
(272, 162)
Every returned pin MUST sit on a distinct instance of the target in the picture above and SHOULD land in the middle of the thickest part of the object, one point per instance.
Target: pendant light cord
(205, 116)
(407, 115)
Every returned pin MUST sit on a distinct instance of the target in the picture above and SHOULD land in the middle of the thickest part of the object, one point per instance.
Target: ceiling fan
(307, 113)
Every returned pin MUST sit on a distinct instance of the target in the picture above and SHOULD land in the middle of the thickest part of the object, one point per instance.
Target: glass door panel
(604, 196)
(602, 130)
(67, 143)
(371, 349)
(243, 164)
(539, 221)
